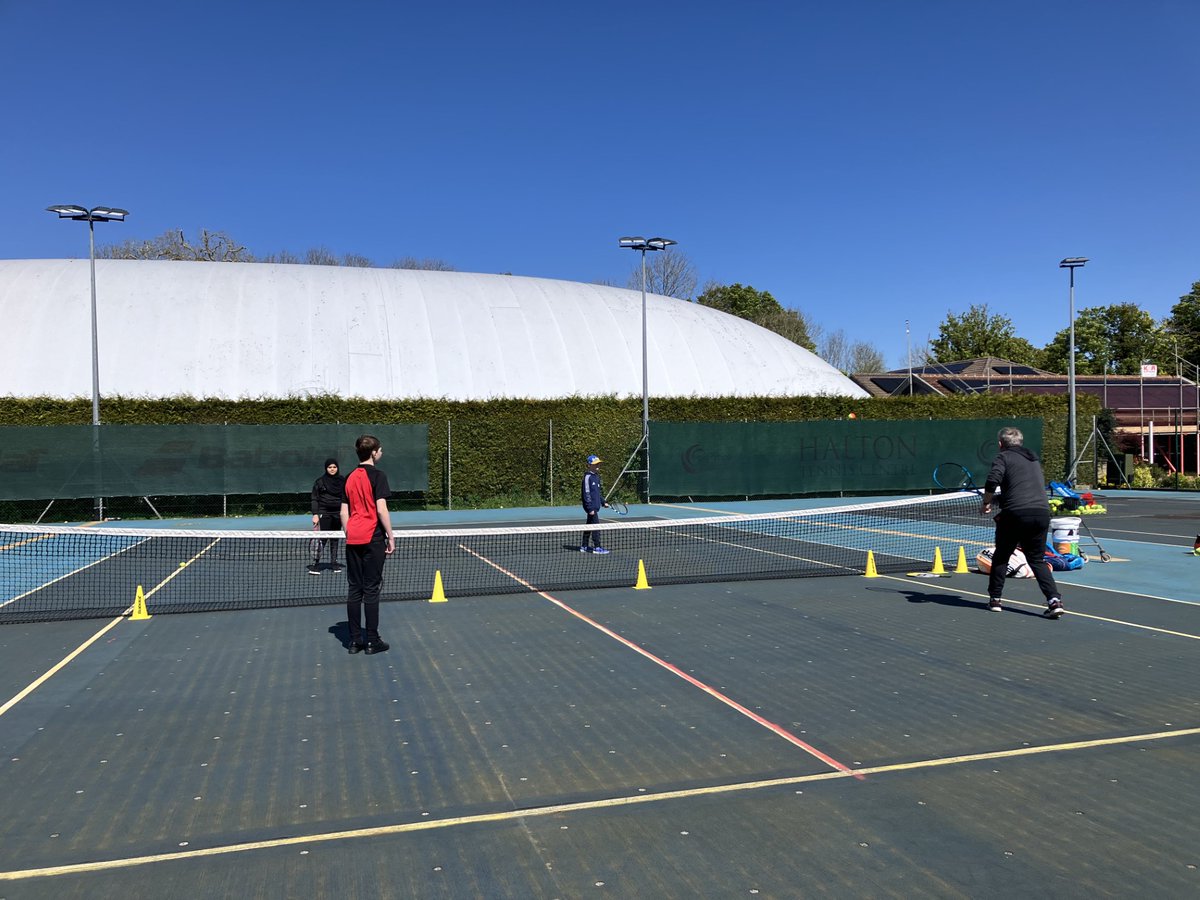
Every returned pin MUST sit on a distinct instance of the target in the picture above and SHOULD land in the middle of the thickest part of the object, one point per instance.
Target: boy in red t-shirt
(369, 540)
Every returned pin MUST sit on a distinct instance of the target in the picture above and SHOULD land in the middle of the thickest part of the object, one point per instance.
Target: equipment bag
(1063, 562)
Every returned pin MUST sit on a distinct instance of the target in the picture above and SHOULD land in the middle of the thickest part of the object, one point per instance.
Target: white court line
(1096, 587)
(721, 512)
(1070, 612)
(47, 584)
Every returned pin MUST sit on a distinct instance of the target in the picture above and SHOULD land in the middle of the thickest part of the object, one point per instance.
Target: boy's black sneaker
(376, 647)
(356, 647)
(314, 569)
(1054, 609)
(995, 605)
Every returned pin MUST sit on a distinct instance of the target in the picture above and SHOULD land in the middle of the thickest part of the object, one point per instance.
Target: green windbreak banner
(728, 459)
(67, 461)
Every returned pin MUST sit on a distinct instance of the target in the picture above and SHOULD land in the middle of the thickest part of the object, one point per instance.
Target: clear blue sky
(865, 161)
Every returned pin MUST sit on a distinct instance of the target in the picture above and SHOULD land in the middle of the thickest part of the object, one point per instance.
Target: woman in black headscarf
(327, 495)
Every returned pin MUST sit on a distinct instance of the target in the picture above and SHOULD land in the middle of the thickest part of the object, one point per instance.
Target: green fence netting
(732, 459)
(69, 461)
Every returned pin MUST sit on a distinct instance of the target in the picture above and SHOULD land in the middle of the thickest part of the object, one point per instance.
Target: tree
(1183, 325)
(432, 265)
(668, 272)
(320, 256)
(864, 357)
(1117, 338)
(211, 246)
(849, 357)
(760, 308)
(977, 333)
(834, 348)
(285, 257)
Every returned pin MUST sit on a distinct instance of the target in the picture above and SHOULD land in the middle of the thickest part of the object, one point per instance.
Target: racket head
(618, 507)
(314, 544)
(955, 477)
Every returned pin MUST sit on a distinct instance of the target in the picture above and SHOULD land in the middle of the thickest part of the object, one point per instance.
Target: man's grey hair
(1011, 437)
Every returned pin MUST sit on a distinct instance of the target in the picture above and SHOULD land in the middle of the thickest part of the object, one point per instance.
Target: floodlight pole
(1071, 264)
(92, 216)
(643, 244)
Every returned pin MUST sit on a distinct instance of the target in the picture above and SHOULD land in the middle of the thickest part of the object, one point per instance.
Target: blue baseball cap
(594, 460)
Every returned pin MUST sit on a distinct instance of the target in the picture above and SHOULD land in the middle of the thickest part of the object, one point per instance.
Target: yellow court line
(517, 814)
(66, 659)
(33, 686)
(1182, 634)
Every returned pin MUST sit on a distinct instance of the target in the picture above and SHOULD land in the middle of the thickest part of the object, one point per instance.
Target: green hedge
(500, 449)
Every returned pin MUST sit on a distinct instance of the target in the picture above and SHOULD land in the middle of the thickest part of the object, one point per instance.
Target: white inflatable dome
(249, 330)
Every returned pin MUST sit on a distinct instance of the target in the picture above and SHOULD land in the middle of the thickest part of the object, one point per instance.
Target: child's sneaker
(1054, 609)
(994, 605)
(600, 550)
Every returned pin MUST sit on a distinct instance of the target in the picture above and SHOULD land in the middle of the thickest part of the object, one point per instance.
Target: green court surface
(828, 736)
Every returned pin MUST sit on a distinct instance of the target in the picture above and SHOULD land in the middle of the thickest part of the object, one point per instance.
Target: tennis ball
(852, 416)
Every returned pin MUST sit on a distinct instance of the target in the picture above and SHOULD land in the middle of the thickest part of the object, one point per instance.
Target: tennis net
(60, 572)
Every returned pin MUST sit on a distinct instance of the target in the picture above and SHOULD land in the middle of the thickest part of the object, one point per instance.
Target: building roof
(1134, 400)
(250, 330)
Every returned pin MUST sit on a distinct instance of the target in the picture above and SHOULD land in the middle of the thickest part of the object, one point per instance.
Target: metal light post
(644, 244)
(1071, 263)
(92, 216)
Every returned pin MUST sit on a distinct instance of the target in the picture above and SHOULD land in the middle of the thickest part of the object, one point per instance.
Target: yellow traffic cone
(961, 568)
(871, 571)
(642, 583)
(139, 605)
(938, 567)
(439, 595)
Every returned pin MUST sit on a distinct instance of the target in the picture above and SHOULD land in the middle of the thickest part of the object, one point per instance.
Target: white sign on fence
(1149, 371)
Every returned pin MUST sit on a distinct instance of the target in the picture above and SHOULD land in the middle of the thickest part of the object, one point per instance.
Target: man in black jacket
(326, 509)
(1024, 518)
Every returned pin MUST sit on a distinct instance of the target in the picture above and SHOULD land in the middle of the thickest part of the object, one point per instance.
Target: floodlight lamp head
(109, 214)
(632, 243)
(1073, 262)
(68, 211)
(659, 243)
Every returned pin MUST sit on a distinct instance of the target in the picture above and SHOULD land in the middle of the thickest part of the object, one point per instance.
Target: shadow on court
(950, 599)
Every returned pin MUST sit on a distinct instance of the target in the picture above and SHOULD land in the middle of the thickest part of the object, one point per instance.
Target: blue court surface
(828, 736)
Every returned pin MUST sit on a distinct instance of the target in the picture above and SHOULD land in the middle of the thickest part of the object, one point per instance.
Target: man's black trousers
(364, 575)
(1026, 527)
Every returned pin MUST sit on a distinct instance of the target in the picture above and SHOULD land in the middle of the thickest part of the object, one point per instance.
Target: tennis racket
(618, 507)
(955, 477)
(314, 545)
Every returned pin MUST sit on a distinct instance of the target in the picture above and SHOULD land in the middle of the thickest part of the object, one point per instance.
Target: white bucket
(1065, 534)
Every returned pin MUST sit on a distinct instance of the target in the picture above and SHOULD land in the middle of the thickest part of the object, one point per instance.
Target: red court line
(695, 682)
